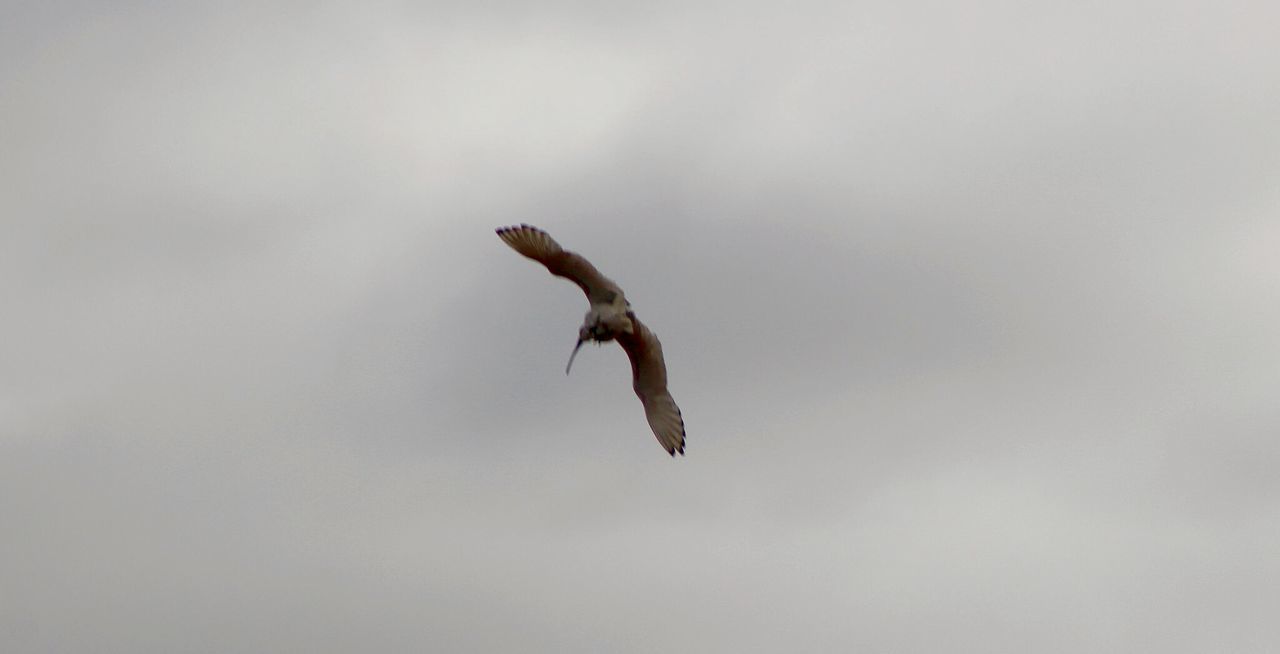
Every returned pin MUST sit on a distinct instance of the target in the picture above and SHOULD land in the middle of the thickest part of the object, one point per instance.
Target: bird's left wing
(539, 246)
(649, 380)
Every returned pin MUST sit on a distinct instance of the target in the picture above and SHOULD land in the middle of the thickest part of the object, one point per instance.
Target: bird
(609, 318)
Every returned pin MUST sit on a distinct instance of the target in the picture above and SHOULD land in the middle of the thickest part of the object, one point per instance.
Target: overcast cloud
(971, 309)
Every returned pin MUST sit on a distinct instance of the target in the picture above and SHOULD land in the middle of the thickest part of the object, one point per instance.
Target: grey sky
(971, 311)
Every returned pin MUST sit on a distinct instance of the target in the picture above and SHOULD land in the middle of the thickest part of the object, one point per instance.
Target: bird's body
(610, 318)
(606, 321)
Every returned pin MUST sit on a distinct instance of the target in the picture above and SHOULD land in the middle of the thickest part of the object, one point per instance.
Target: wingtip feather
(529, 241)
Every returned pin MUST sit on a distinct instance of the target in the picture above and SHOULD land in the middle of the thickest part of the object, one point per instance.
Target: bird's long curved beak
(575, 353)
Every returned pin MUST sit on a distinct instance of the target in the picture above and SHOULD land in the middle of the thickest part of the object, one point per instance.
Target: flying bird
(610, 318)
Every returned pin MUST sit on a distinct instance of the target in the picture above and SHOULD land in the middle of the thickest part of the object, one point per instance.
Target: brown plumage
(610, 318)
(539, 246)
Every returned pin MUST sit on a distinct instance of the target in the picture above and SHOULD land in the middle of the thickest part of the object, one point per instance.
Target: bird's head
(589, 331)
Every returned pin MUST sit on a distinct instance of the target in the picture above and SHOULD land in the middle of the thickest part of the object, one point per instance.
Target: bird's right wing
(649, 380)
(539, 246)
(665, 420)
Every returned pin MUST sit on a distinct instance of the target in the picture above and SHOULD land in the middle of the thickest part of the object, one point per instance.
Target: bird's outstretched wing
(539, 246)
(649, 380)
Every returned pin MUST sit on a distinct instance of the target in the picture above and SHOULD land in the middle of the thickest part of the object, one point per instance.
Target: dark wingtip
(517, 228)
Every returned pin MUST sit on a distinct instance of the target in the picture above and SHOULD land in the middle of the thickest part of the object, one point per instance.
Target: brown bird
(610, 319)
